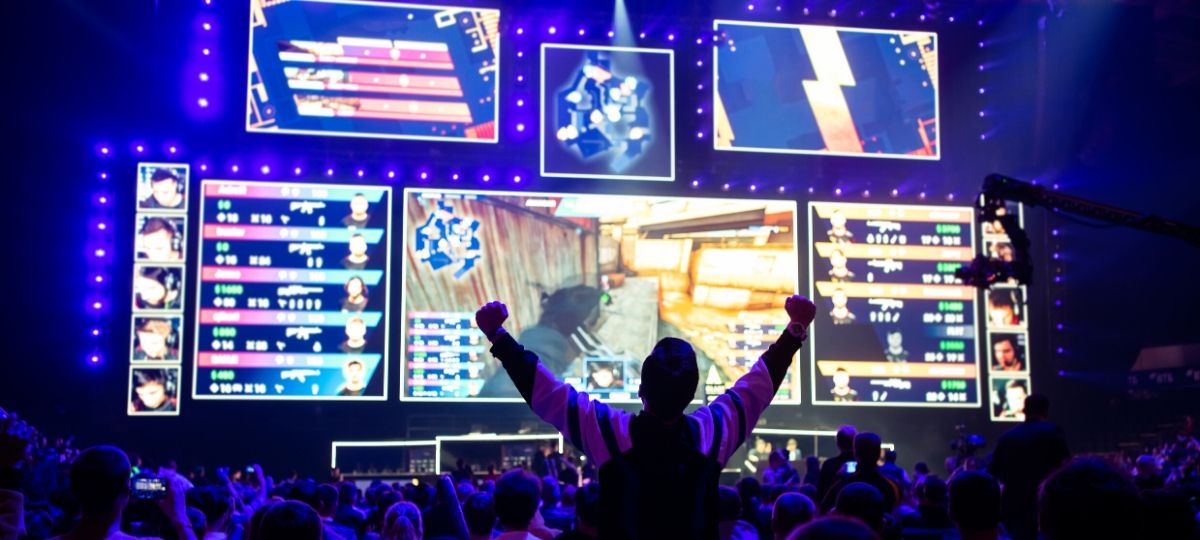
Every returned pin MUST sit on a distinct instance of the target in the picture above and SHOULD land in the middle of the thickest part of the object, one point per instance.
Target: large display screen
(608, 112)
(292, 300)
(592, 283)
(825, 90)
(894, 326)
(373, 69)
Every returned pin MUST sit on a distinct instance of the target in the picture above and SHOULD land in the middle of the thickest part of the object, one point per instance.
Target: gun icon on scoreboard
(299, 374)
(302, 333)
(884, 226)
(886, 265)
(887, 303)
(306, 207)
(305, 248)
(298, 290)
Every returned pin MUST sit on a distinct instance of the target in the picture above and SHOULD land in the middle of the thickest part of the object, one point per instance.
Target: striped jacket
(658, 478)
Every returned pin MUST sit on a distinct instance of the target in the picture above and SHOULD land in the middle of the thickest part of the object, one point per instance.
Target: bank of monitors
(592, 283)
(1006, 306)
(894, 327)
(373, 69)
(292, 298)
(808, 89)
(159, 259)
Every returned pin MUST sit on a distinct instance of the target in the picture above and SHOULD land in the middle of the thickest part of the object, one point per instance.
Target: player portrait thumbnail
(157, 288)
(356, 297)
(159, 238)
(354, 373)
(1006, 307)
(1007, 352)
(356, 336)
(358, 258)
(154, 391)
(842, 392)
(838, 271)
(156, 338)
(358, 218)
(607, 112)
(162, 187)
(1008, 398)
(840, 313)
(838, 233)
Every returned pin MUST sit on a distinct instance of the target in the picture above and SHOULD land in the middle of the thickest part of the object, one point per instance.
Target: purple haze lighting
(806, 11)
(980, 44)
(1059, 326)
(979, 22)
(1061, 373)
(1058, 279)
(782, 189)
(981, 114)
(1059, 350)
(866, 193)
(895, 193)
(950, 197)
(833, 13)
(812, 189)
(921, 195)
(983, 136)
(1053, 232)
(892, 14)
(982, 90)
(725, 187)
(951, 19)
(1056, 255)
(1058, 303)
(922, 17)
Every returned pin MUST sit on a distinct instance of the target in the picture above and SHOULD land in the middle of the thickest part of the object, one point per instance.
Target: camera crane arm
(1003, 187)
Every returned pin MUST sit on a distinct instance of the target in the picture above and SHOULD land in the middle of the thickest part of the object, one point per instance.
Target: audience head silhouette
(669, 378)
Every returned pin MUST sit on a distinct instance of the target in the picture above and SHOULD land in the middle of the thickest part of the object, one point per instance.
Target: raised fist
(800, 309)
(490, 317)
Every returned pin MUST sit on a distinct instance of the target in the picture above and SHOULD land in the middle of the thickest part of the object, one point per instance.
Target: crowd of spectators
(1030, 487)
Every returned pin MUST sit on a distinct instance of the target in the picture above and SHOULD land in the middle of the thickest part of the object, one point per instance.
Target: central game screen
(592, 283)
(373, 69)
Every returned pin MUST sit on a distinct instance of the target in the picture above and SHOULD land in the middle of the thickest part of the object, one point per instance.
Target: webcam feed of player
(292, 299)
(373, 69)
(162, 187)
(1007, 352)
(1008, 398)
(157, 338)
(828, 90)
(154, 391)
(157, 287)
(608, 112)
(159, 238)
(592, 282)
(894, 326)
